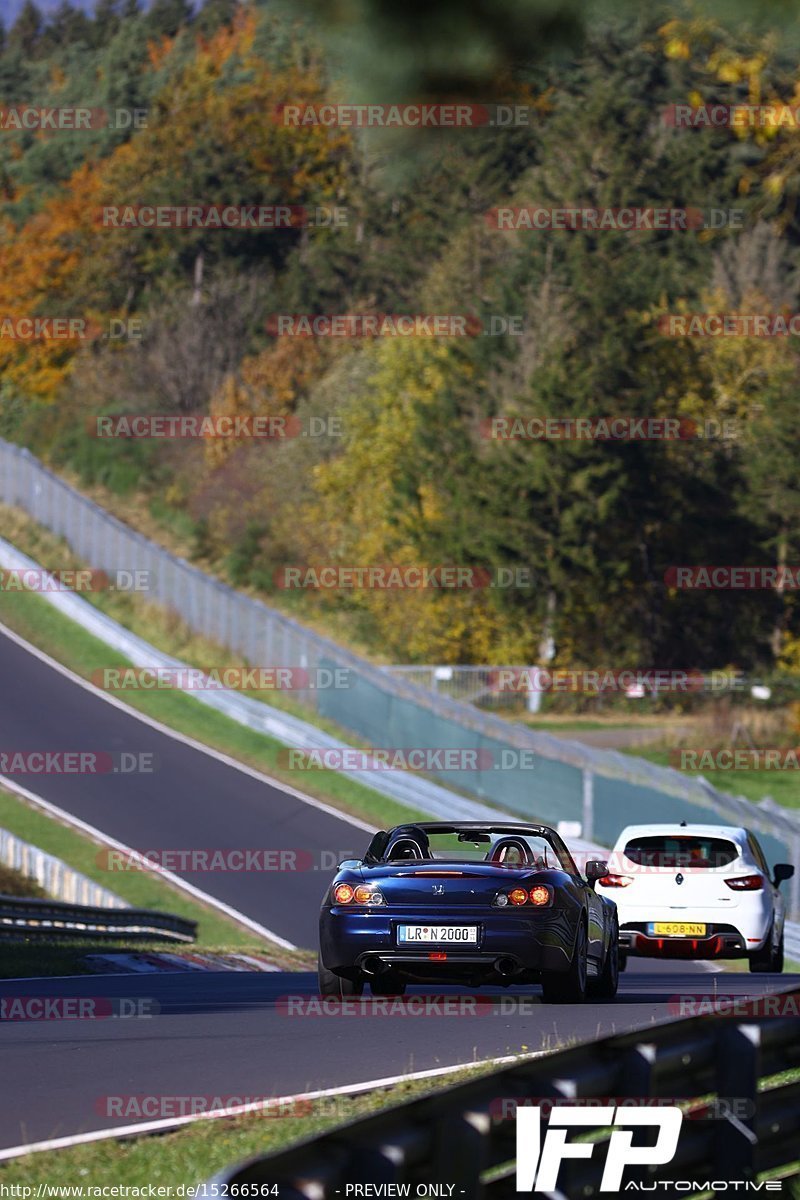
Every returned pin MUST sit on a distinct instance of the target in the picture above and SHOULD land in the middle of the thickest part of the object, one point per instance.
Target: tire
(334, 985)
(623, 960)
(769, 959)
(387, 985)
(568, 987)
(607, 982)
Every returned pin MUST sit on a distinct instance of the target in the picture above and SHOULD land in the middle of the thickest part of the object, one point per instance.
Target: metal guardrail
(465, 1135)
(25, 918)
(57, 878)
(601, 788)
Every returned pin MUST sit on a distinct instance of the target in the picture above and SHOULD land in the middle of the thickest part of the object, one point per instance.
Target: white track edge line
(103, 838)
(147, 1127)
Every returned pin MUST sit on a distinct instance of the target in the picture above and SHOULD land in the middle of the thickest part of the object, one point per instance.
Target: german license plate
(414, 935)
(677, 929)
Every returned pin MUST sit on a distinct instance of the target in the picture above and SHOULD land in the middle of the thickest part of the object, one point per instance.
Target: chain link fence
(530, 773)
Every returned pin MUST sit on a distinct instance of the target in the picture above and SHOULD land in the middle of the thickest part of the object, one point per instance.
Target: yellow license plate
(677, 929)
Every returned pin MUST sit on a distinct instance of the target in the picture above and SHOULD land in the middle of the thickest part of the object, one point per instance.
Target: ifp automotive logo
(539, 1161)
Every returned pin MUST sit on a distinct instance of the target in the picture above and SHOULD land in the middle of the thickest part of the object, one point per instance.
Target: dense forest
(399, 465)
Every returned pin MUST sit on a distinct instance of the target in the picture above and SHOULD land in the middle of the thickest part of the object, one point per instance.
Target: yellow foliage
(677, 48)
(377, 505)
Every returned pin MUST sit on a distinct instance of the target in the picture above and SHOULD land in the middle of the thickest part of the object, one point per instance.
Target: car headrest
(508, 849)
(405, 847)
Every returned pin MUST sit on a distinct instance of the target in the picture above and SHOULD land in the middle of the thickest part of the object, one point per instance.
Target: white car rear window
(679, 850)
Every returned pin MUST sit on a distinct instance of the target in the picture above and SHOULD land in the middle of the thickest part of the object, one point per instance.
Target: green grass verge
(194, 1153)
(783, 786)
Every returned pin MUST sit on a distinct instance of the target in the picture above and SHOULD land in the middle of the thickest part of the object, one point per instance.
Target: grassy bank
(754, 785)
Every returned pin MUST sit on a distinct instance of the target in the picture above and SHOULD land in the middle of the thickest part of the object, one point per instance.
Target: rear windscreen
(670, 850)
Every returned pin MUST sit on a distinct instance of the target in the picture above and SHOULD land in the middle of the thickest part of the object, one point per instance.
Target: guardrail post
(588, 805)
(738, 1072)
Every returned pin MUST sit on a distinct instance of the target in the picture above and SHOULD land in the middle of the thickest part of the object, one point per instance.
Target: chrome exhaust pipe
(372, 965)
(505, 967)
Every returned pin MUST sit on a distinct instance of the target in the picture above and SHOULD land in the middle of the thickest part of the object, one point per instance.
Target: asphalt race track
(227, 1034)
(191, 800)
(232, 1036)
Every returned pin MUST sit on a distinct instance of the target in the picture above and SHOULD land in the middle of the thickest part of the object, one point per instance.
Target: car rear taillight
(539, 896)
(363, 894)
(616, 880)
(745, 883)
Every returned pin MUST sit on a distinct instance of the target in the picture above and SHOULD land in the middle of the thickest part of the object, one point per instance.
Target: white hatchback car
(696, 891)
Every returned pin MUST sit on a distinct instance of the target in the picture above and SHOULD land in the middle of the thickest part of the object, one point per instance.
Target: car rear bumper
(509, 945)
(720, 941)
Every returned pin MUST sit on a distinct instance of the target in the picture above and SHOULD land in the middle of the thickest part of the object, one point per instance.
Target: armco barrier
(465, 1137)
(22, 919)
(57, 878)
(565, 780)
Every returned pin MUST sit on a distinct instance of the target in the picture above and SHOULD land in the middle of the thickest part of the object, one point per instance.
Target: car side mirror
(782, 871)
(596, 868)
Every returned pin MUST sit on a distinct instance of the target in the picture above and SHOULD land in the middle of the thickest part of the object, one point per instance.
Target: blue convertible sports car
(470, 904)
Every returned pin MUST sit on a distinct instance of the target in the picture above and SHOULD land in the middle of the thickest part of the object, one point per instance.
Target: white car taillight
(745, 883)
(616, 880)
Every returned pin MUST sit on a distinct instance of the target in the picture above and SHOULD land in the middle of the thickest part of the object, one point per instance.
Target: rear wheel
(769, 958)
(387, 985)
(568, 987)
(334, 985)
(623, 960)
(604, 987)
